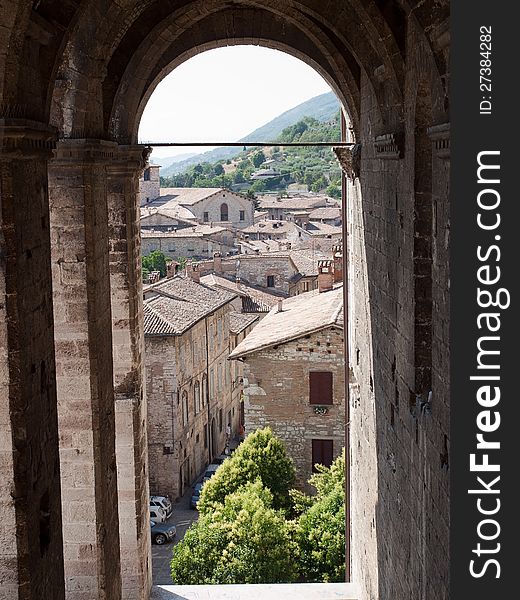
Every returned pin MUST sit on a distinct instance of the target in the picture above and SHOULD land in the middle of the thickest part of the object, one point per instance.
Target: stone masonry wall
(174, 364)
(276, 390)
(399, 447)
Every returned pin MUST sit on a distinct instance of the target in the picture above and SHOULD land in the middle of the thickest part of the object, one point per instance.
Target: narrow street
(182, 517)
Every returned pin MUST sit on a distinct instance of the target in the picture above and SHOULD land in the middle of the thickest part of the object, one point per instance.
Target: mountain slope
(322, 108)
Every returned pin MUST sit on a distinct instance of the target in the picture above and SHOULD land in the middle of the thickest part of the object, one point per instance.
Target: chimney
(237, 281)
(217, 262)
(280, 306)
(193, 272)
(325, 275)
(337, 254)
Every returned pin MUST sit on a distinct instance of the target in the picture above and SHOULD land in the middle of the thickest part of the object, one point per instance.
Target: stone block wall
(399, 447)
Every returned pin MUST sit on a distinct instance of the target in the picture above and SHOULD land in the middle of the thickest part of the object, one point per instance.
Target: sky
(224, 94)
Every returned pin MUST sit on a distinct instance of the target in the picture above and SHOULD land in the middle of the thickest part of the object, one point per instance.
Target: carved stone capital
(440, 137)
(26, 139)
(349, 160)
(130, 160)
(389, 146)
(82, 152)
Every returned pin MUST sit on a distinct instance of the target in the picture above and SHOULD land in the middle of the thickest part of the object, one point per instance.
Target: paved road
(182, 517)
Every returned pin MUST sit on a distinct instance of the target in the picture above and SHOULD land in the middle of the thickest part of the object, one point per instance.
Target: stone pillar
(128, 345)
(31, 554)
(83, 339)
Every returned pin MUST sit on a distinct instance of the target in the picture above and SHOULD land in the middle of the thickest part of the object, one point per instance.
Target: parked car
(157, 514)
(220, 459)
(195, 495)
(210, 471)
(164, 502)
(162, 532)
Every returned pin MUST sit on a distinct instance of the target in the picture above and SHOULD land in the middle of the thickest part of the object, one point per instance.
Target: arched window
(223, 212)
(196, 395)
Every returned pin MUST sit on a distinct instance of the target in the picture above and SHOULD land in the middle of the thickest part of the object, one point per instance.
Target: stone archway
(81, 72)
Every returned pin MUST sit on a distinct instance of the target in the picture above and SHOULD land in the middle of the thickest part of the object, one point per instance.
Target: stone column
(128, 345)
(31, 554)
(83, 338)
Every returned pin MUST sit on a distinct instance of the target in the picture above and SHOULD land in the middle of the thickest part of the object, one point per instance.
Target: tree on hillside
(258, 158)
(244, 540)
(260, 456)
(218, 169)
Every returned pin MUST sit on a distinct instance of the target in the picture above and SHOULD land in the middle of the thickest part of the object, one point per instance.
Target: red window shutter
(320, 387)
(322, 453)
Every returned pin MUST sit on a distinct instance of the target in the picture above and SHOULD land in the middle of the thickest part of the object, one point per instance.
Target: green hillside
(313, 167)
(322, 108)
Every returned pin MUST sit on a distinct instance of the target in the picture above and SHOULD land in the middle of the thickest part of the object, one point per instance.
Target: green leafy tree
(258, 158)
(334, 191)
(218, 169)
(320, 529)
(155, 261)
(258, 186)
(260, 456)
(244, 540)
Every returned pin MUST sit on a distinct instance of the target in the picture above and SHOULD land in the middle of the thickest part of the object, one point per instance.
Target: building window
(204, 390)
(196, 394)
(320, 387)
(219, 377)
(211, 384)
(146, 175)
(242, 215)
(220, 419)
(206, 435)
(223, 212)
(322, 453)
(185, 408)
(219, 332)
(270, 281)
(205, 217)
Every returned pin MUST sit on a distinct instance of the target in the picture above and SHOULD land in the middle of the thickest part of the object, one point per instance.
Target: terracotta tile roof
(195, 231)
(269, 226)
(180, 303)
(301, 315)
(316, 228)
(297, 203)
(239, 321)
(190, 196)
(325, 213)
(254, 298)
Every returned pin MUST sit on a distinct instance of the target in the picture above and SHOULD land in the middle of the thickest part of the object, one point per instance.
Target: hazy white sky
(224, 94)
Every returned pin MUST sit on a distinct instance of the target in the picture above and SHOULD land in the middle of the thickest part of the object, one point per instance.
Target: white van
(157, 514)
(163, 502)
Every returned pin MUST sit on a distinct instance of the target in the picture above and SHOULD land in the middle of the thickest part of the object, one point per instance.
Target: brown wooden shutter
(322, 452)
(320, 387)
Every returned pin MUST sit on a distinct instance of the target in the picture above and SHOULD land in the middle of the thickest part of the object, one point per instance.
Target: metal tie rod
(246, 144)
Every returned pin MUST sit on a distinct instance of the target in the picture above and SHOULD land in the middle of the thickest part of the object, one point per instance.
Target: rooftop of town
(179, 303)
(299, 315)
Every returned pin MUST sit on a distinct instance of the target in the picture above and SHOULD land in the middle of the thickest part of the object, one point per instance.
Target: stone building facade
(150, 184)
(188, 381)
(294, 378)
(213, 205)
(199, 241)
(74, 80)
